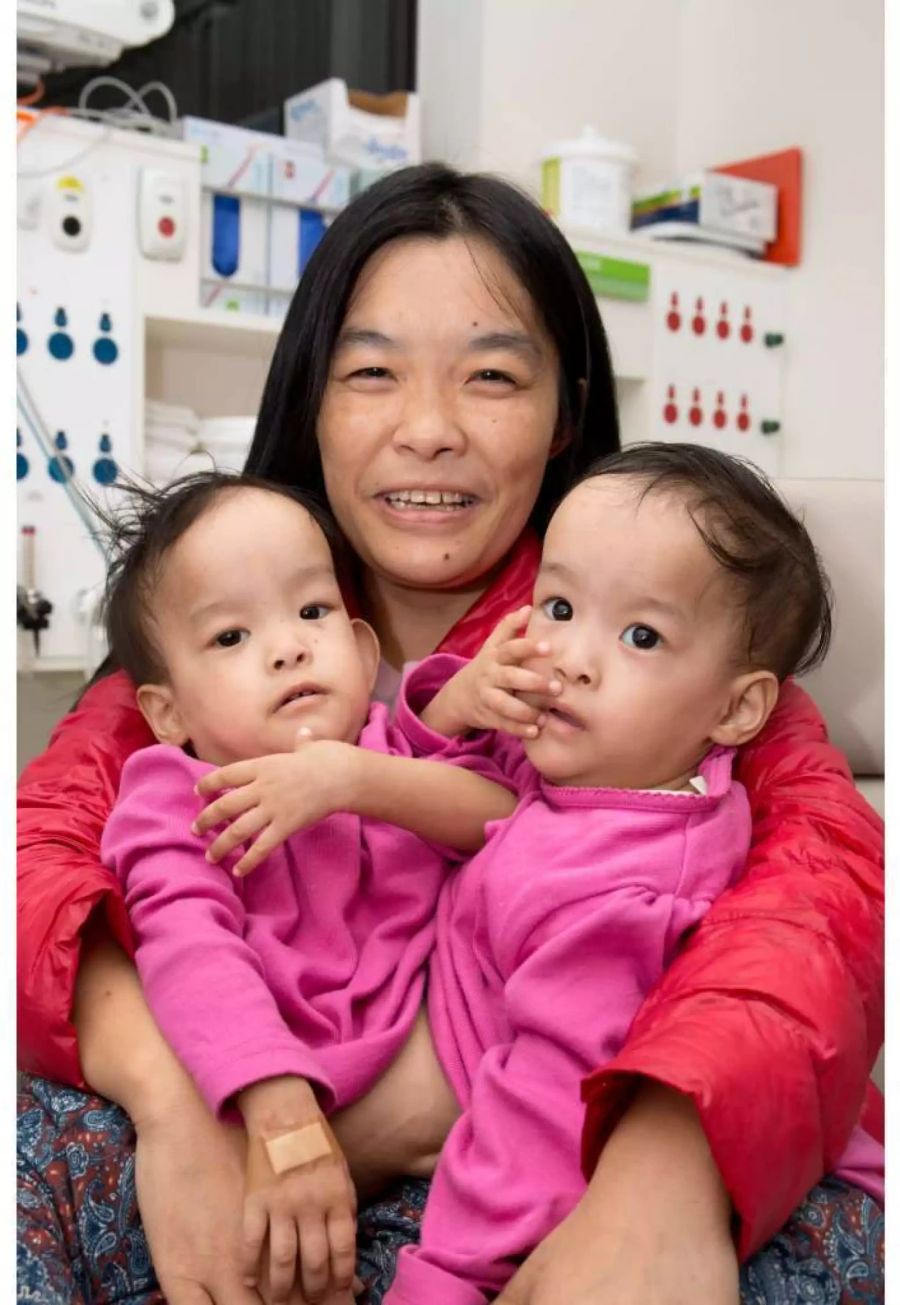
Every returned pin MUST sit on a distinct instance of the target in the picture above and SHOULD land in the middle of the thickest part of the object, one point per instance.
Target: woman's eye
(231, 638)
(493, 376)
(314, 612)
(643, 637)
(370, 374)
(557, 609)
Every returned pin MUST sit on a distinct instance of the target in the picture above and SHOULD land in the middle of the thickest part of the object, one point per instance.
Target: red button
(166, 226)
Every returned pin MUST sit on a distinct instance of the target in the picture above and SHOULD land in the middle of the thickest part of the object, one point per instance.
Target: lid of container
(590, 144)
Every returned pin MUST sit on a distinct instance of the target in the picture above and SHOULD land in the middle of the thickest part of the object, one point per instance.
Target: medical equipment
(83, 32)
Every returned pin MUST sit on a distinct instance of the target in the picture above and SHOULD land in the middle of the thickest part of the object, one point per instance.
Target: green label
(615, 278)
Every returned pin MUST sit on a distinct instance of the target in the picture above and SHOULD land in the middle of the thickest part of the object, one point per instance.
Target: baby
(676, 592)
(286, 994)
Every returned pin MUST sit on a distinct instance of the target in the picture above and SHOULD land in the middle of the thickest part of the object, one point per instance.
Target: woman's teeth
(431, 498)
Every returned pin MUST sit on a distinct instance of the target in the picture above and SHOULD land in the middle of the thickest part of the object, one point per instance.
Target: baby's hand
(483, 695)
(272, 797)
(307, 1214)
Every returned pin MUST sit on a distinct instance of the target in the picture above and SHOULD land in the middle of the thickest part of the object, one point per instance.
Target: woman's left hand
(272, 797)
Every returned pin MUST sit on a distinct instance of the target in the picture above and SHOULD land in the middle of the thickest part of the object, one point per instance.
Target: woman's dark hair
(435, 202)
(751, 532)
(139, 534)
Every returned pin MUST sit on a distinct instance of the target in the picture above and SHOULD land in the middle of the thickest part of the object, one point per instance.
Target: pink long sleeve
(568, 979)
(547, 943)
(203, 981)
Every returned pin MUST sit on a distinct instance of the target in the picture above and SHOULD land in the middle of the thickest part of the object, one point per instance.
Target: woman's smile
(426, 507)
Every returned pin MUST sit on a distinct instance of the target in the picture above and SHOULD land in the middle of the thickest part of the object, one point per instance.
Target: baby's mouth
(566, 717)
(305, 691)
(441, 500)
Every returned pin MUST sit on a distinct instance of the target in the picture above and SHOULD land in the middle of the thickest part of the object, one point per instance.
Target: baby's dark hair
(751, 532)
(139, 534)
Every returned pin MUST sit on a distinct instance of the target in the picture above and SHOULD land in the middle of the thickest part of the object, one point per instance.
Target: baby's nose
(290, 650)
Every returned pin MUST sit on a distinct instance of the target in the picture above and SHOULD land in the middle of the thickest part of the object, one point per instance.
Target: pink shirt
(312, 965)
(548, 941)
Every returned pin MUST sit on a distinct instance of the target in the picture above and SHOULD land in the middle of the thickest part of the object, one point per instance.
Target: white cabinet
(701, 357)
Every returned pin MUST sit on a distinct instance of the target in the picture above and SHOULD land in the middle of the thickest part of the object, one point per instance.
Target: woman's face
(439, 413)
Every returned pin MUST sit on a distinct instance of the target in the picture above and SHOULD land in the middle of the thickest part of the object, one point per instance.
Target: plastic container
(586, 182)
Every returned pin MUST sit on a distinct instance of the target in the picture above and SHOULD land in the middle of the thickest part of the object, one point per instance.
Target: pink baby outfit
(312, 965)
(548, 940)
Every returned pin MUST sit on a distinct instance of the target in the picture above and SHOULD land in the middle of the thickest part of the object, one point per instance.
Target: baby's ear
(750, 704)
(368, 647)
(157, 702)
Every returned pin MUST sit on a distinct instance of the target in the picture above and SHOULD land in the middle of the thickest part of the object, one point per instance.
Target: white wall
(502, 79)
(756, 77)
(691, 83)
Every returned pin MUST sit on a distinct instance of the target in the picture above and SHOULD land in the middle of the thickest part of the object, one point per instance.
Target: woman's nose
(428, 427)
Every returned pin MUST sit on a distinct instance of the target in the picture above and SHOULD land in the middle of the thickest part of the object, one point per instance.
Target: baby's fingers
(516, 679)
(315, 1258)
(256, 1222)
(224, 808)
(266, 843)
(512, 712)
(515, 651)
(240, 772)
(509, 626)
(238, 832)
(282, 1256)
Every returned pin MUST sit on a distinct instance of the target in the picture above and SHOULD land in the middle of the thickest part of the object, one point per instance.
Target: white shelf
(211, 330)
(635, 247)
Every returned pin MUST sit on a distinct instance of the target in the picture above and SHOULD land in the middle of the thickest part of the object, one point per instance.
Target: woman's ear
(750, 704)
(157, 702)
(368, 647)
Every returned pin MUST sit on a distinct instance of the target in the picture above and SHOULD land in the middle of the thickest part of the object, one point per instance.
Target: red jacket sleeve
(771, 1017)
(65, 797)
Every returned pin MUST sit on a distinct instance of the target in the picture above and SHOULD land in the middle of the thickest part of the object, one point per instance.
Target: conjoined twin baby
(396, 941)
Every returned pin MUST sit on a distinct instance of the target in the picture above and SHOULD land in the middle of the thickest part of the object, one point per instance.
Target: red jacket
(770, 1018)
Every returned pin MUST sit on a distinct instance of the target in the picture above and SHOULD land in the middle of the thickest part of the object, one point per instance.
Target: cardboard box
(716, 202)
(243, 162)
(234, 244)
(356, 128)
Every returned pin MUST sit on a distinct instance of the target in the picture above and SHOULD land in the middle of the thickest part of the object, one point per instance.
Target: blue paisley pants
(80, 1240)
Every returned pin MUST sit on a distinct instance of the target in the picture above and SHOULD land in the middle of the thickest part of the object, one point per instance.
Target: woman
(443, 342)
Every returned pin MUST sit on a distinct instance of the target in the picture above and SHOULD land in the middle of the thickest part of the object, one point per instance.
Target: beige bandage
(298, 1147)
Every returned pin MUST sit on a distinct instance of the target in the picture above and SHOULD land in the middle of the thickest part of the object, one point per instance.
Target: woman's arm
(64, 798)
(653, 1227)
(189, 1167)
(770, 1019)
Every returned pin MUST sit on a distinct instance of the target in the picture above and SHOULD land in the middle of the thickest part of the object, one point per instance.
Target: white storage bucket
(586, 182)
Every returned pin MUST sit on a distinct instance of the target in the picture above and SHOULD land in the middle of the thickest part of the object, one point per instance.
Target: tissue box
(245, 162)
(716, 203)
(356, 128)
(233, 244)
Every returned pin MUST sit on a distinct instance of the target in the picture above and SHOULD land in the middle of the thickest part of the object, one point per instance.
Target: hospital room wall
(690, 83)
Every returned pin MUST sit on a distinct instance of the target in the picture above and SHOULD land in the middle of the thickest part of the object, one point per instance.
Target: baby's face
(254, 634)
(641, 625)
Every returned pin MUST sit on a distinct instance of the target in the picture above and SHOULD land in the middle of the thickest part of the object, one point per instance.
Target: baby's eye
(557, 609)
(314, 612)
(231, 638)
(643, 637)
